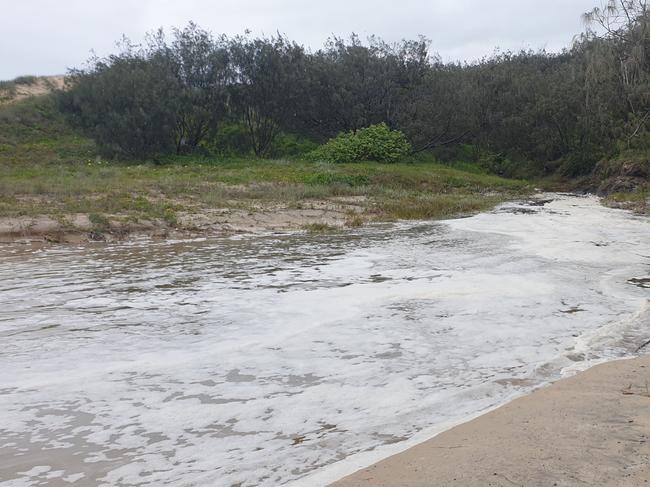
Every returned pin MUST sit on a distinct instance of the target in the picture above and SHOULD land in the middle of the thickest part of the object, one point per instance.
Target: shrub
(26, 80)
(291, 145)
(374, 143)
(231, 139)
(130, 107)
(581, 161)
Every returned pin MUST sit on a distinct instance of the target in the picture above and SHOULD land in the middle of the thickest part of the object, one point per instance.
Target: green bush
(231, 140)
(374, 143)
(581, 161)
(291, 145)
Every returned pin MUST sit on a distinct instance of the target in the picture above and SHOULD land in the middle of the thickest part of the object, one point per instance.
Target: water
(292, 359)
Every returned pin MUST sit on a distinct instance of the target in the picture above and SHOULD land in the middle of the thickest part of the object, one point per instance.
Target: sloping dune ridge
(37, 86)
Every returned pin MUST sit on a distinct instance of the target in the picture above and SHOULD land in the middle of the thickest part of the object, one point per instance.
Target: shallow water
(262, 361)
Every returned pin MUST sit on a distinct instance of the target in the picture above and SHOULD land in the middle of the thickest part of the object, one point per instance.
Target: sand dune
(41, 85)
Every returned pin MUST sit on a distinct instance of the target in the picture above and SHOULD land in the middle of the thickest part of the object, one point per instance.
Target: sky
(46, 37)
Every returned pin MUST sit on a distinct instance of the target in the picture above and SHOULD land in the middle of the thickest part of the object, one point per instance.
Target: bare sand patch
(41, 85)
(590, 429)
(256, 218)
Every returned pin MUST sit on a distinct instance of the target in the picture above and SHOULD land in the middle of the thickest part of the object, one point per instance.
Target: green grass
(638, 200)
(418, 206)
(46, 168)
(393, 190)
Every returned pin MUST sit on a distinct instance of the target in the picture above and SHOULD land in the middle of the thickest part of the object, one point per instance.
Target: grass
(393, 191)
(46, 168)
(100, 223)
(424, 206)
(638, 201)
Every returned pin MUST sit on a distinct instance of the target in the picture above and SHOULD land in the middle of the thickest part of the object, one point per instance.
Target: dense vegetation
(526, 113)
(48, 170)
(374, 143)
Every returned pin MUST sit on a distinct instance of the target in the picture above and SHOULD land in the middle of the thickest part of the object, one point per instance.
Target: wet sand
(592, 429)
(262, 218)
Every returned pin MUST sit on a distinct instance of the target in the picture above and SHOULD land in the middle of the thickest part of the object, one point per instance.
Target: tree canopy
(532, 111)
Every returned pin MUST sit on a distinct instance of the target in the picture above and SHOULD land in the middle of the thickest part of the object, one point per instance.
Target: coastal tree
(201, 66)
(128, 103)
(516, 113)
(266, 86)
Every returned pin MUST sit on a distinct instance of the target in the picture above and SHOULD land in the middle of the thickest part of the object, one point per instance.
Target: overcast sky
(48, 36)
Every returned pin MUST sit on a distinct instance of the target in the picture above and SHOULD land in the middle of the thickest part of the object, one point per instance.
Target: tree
(517, 113)
(620, 38)
(202, 68)
(128, 103)
(267, 73)
(353, 85)
(433, 111)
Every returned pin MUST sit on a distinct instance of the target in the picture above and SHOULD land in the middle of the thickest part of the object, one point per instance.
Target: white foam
(297, 358)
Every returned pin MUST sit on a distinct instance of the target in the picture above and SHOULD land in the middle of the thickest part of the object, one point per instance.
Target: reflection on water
(260, 360)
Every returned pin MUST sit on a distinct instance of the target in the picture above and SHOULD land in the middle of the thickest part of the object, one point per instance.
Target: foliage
(201, 68)
(33, 130)
(374, 143)
(146, 102)
(127, 105)
(233, 139)
(350, 85)
(265, 88)
(521, 113)
(48, 169)
(291, 145)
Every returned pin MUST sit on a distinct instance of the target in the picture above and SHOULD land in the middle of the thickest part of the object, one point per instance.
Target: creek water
(292, 359)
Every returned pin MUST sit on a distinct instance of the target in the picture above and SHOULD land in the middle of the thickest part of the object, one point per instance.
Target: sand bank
(592, 429)
(262, 218)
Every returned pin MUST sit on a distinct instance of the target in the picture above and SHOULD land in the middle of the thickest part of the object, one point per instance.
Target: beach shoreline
(592, 428)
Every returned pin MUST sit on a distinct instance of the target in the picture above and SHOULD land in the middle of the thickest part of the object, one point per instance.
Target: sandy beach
(591, 429)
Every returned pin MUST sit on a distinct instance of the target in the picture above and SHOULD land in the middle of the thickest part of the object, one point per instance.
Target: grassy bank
(624, 180)
(637, 201)
(47, 169)
(144, 191)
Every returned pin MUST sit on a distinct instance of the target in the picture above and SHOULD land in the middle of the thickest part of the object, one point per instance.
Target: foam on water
(293, 359)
